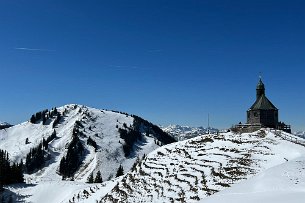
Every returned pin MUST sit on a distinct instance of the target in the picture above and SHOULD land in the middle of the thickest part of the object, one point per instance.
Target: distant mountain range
(300, 134)
(185, 132)
(4, 125)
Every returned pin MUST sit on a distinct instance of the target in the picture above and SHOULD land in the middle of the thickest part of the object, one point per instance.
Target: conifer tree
(73, 159)
(120, 171)
(57, 119)
(91, 142)
(90, 178)
(44, 120)
(35, 158)
(98, 177)
(38, 116)
(55, 111)
(135, 164)
(44, 143)
(33, 119)
(9, 173)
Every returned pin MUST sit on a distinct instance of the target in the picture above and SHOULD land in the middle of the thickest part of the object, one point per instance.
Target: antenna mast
(208, 123)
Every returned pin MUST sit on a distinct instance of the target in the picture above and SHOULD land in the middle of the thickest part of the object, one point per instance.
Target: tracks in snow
(191, 170)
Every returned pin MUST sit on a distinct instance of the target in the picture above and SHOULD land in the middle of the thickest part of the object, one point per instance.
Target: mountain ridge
(300, 134)
(180, 132)
(102, 126)
(4, 125)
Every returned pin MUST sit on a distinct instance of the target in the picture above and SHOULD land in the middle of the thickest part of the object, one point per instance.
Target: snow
(197, 168)
(61, 191)
(280, 184)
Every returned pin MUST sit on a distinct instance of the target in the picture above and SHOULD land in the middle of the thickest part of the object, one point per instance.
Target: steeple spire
(260, 88)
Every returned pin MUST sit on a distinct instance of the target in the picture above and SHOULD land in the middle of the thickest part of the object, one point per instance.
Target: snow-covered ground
(280, 184)
(60, 191)
(185, 132)
(195, 169)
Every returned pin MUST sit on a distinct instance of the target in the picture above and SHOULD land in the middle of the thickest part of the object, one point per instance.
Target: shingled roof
(263, 103)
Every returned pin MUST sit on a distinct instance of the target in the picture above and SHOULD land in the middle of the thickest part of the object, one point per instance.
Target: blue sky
(171, 62)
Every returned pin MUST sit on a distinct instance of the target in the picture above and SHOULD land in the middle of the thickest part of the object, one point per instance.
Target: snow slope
(194, 169)
(60, 191)
(279, 184)
(101, 125)
(185, 132)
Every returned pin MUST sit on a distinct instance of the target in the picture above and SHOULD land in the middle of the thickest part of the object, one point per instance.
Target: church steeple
(260, 88)
(262, 113)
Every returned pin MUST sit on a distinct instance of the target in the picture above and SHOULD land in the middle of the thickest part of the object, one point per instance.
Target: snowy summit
(97, 140)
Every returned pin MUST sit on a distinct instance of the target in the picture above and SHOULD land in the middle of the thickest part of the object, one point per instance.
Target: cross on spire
(260, 75)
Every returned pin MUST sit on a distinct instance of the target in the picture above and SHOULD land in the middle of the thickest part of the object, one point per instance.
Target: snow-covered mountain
(108, 129)
(192, 170)
(300, 134)
(185, 132)
(4, 125)
(198, 169)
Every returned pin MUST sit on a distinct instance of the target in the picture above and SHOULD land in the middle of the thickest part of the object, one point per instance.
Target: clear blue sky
(171, 62)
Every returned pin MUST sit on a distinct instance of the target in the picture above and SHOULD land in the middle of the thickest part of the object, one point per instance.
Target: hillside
(279, 184)
(119, 139)
(185, 132)
(194, 169)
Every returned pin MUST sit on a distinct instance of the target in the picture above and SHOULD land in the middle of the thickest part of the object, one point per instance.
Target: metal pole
(208, 123)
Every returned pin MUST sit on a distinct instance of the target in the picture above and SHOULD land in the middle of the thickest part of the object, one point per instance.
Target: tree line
(9, 173)
(36, 158)
(73, 159)
(45, 115)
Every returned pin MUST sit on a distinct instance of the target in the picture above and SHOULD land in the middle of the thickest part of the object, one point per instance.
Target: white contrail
(30, 49)
(123, 67)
